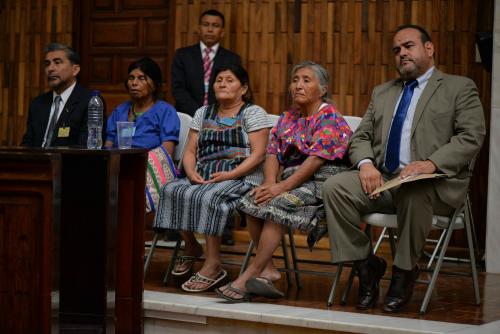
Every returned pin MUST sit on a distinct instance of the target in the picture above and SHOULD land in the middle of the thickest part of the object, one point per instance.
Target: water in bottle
(94, 124)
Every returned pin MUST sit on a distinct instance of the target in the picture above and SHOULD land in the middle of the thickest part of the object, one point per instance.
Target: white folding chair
(461, 219)
(185, 121)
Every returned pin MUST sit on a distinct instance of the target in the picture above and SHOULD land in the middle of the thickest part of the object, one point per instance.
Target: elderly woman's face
(139, 85)
(227, 87)
(305, 87)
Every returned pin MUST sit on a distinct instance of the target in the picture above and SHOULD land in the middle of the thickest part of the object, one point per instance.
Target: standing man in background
(192, 73)
(192, 68)
(59, 117)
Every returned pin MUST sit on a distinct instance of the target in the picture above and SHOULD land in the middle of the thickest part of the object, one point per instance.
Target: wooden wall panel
(118, 35)
(25, 28)
(351, 38)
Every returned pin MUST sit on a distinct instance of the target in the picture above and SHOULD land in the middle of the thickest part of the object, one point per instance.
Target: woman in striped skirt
(226, 144)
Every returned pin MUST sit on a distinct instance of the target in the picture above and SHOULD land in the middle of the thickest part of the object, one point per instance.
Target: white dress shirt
(64, 98)
(211, 55)
(405, 146)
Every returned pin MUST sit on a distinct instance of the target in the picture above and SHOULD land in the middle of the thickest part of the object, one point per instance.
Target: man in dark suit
(59, 117)
(193, 73)
(424, 122)
(193, 66)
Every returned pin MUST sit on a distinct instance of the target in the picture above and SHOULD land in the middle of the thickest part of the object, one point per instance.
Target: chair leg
(172, 261)
(348, 286)
(150, 254)
(468, 231)
(379, 241)
(437, 268)
(436, 249)
(294, 258)
(336, 281)
(286, 259)
(392, 242)
(248, 255)
(468, 213)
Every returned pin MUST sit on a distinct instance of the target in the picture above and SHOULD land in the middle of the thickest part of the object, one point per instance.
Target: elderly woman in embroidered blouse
(226, 144)
(305, 148)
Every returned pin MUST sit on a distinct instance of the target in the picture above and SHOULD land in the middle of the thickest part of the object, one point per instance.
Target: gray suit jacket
(448, 129)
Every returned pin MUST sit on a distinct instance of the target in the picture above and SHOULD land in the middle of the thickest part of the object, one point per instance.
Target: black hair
(242, 75)
(424, 35)
(149, 67)
(72, 55)
(212, 12)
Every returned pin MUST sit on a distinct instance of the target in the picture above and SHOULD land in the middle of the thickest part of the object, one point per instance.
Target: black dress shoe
(401, 289)
(370, 271)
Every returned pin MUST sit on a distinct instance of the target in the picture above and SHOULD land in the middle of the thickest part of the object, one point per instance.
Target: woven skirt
(160, 170)
(300, 208)
(198, 208)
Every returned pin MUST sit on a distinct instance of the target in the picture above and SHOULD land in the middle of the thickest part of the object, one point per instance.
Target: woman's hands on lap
(266, 192)
(195, 178)
(220, 176)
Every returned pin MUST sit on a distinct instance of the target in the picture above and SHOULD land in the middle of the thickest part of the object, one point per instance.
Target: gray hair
(72, 55)
(319, 71)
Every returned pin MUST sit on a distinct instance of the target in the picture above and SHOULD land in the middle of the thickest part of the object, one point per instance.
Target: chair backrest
(353, 122)
(183, 135)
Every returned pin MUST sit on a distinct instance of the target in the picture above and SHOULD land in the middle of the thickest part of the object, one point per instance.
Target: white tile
(239, 311)
(172, 302)
(495, 96)
(493, 209)
(367, 323)
(196, 308)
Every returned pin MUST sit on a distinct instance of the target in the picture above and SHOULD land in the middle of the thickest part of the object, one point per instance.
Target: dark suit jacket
(448, 128)
(73, 115)
(188, 86)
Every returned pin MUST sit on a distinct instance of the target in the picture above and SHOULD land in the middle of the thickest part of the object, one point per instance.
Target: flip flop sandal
(263, 287)
(245, 296)
(180, 261)
(199, 278)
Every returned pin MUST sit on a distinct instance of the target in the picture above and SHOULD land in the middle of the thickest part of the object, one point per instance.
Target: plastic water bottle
(94, 123)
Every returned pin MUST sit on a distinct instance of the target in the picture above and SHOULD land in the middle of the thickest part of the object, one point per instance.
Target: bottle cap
(96, 93)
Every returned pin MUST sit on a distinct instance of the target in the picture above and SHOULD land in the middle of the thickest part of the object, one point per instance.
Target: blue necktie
(394, 141)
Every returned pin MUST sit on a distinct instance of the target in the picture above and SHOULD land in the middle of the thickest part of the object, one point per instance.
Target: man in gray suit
(424, 122)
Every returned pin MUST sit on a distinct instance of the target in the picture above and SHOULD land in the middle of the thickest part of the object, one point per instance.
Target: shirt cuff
(364, 161)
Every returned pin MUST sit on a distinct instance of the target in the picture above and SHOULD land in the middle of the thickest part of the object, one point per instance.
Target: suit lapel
(430, 89)
(217, 59)
(197, 61)
(69, 107)
(45, 110)
(389, 107)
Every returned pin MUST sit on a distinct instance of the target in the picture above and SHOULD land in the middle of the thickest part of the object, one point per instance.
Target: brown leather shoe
(401, 289)
(370, 271)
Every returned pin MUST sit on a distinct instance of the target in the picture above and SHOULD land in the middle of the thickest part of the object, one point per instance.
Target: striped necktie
(394, 141)
(53, 121)
(207, 70)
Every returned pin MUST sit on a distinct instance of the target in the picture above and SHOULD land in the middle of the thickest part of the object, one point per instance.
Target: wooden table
(71, 240)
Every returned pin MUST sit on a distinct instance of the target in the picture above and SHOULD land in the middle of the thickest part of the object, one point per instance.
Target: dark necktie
(394, 140)
(53, 121)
